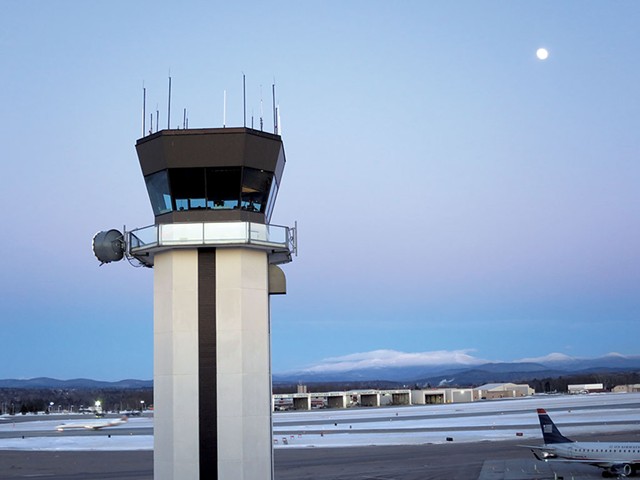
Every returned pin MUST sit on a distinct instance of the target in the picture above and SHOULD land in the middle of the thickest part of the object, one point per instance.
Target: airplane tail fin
(550, 432)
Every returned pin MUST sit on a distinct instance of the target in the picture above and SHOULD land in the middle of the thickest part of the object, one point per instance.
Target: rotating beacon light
(215, 259)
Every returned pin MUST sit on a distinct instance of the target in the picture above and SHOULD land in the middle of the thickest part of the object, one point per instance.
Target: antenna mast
(275, 111)
(144, 109)
(169, 106)
(244, 99)
(224, 109)
(279, 120)
(261, 110)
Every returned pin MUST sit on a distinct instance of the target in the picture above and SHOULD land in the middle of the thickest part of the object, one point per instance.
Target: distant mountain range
(76, 383)
(455, 374)
(551, 366)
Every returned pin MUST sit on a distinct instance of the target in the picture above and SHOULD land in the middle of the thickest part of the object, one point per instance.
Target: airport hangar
(379, 398)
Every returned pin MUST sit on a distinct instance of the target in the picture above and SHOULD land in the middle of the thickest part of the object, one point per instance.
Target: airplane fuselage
(619, 458)
(97, 425)
(596, 452)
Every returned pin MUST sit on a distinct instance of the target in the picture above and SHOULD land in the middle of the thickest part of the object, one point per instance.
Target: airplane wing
(542, 452)
(113, 423)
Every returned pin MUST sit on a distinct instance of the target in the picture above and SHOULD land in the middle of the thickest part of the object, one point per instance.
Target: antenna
(261, 111)
(151, 128)
(144, 108)
(224, 109)
(157, 118)
(169, 105)
(184, 119)
(244, 99)
(275, 111)
(279, 121)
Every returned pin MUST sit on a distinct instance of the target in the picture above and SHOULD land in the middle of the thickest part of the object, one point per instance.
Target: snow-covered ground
(51, 422)
(103, 442)
(468, 422)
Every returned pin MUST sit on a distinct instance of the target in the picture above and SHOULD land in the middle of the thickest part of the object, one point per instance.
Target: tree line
(540, 385)
(15, 401)
(561, 384)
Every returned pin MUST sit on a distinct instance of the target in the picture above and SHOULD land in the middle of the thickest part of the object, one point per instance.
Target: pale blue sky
(453, 192)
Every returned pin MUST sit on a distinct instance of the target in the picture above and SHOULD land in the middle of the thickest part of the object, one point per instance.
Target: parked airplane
(617, 459)
(96, 425)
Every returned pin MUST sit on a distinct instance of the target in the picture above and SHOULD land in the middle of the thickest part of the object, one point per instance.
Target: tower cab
(211, 175)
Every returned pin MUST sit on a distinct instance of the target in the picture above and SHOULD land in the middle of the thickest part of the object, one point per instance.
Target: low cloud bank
(397, 359)
(394, 358)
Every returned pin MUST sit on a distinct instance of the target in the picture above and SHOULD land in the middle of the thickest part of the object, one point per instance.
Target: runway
(463, 461)
(504, 460)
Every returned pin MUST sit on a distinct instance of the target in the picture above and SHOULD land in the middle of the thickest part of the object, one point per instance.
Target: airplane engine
(624, 470)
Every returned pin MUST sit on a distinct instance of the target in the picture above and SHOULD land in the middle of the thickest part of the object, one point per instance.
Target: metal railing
(215, 234)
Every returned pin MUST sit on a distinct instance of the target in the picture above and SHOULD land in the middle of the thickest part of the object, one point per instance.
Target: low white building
(436, 396)
(626, 388)
(585, 388)
(364, 398)
(492, 391)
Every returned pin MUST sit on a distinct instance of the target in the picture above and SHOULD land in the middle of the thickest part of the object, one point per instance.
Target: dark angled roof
(211, 147)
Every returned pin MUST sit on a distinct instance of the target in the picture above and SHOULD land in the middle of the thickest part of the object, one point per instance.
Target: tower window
(188, 188)
(211, 188)
(159, 192)
(223, 187)
(255, 189)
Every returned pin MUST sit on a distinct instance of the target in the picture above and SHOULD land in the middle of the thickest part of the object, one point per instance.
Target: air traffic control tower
(215, 259)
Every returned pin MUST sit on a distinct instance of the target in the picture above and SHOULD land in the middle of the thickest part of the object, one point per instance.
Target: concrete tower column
(243, 364)
(176, 451)
(212, 373)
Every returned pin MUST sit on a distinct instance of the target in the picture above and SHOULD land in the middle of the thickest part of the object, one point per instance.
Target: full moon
(542, 53)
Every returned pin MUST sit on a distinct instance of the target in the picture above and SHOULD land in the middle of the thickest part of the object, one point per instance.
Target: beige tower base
(212, 378)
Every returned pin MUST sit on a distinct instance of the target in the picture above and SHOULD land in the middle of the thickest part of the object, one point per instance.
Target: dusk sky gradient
(454, 194)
